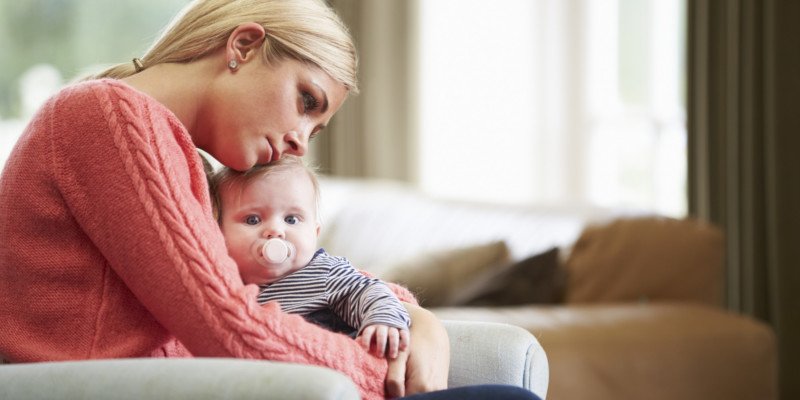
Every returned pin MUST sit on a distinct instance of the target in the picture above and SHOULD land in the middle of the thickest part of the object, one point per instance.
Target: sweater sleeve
(134, 182)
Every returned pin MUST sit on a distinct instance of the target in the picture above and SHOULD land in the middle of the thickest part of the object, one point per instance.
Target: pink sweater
(109, 248)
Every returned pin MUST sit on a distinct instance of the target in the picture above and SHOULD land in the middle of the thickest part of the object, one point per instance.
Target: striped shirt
(332, 283)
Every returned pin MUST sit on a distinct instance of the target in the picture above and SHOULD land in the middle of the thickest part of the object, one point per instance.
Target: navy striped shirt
(332, 283)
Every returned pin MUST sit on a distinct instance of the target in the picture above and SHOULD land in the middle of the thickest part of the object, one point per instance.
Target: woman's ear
(244, 43)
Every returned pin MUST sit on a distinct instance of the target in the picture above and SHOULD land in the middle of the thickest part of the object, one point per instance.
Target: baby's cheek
(240, 255)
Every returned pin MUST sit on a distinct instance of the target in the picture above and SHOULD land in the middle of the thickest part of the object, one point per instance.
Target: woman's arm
(425, 368)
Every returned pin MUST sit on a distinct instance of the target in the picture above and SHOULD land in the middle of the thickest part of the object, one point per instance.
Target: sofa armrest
(481, 353)
(190, 379)
(496, 353)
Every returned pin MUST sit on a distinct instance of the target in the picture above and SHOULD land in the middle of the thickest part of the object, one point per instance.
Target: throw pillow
(647, 258)
(538, 279)
(437, 277)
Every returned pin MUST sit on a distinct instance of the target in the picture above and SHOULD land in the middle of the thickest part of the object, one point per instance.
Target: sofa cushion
(538, 279)
(644, 351)
(646, 258)
(437, 278)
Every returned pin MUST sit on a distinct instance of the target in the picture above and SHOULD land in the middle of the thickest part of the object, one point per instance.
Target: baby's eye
(252, 220)
(292, 219)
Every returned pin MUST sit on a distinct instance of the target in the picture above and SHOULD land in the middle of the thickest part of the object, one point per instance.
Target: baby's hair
(225, 178)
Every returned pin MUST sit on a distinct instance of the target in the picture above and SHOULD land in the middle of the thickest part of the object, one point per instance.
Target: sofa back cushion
(647, 258)
(379, 223)
(440, 278)
(538, 279)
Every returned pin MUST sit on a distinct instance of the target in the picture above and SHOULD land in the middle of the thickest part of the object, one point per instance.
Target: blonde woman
(109, 248)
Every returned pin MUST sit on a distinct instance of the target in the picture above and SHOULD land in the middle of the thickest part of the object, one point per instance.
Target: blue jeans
(477, 392)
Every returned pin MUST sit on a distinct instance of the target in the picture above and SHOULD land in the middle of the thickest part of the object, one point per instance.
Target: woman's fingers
(396, 376)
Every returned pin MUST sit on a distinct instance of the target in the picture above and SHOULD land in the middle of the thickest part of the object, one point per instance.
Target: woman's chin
(241, 166)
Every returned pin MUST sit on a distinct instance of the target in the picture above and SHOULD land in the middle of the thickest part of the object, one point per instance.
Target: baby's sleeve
(402, 292)
(361, 300)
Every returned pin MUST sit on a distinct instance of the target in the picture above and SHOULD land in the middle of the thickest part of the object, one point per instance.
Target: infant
(269, 217)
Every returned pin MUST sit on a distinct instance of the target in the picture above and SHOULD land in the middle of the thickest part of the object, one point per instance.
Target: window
(47, 43)
(554, 102)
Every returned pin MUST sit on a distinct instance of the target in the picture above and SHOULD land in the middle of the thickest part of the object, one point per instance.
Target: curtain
(744, 156)
(373, 133)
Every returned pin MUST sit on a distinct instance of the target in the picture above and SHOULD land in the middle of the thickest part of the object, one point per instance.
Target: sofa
(626, 304)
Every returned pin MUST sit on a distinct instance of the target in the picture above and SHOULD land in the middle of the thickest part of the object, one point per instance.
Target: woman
(109, 247)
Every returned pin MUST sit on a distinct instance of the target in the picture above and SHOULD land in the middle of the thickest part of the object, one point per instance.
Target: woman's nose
(298, 143)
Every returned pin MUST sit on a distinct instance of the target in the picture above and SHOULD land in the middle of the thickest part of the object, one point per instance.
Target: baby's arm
(379, 316)
(370, 306)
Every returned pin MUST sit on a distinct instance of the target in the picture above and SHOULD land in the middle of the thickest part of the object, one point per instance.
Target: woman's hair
(304, 30)
(229, 179)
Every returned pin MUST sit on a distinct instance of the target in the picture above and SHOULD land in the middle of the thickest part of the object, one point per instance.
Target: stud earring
(232, 64)
(137, 65)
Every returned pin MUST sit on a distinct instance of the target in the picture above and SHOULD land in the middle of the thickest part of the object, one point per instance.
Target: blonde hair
(304, 30)
(227, 178)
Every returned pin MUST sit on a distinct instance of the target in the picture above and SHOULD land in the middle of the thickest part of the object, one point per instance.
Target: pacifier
(275, 251)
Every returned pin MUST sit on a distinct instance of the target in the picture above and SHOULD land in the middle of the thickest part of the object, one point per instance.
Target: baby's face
(280, 205)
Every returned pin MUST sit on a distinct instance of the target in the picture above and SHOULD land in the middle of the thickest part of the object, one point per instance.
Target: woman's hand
(426, 366)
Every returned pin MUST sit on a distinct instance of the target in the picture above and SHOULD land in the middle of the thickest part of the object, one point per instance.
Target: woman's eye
(292, 219)
(310, 102)
(252, 220)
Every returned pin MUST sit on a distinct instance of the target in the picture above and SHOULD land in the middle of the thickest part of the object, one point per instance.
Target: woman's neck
(179, 87)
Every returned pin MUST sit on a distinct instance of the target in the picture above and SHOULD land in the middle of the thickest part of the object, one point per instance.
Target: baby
(268, 216)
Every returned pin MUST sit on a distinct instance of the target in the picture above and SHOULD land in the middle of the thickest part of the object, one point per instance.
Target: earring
(137, 65)
(232, 64)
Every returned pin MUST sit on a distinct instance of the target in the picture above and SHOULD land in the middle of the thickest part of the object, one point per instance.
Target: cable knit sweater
(109, 248)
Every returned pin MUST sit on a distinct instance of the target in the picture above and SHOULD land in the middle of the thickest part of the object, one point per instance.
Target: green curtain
(744, 156)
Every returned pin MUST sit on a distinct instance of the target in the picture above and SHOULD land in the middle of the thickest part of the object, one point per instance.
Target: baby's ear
(319, 228)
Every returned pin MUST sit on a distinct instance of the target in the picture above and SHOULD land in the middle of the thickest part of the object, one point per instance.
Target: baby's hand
(383, 340)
